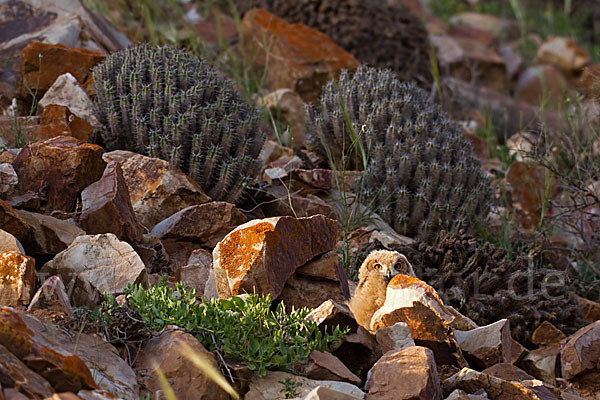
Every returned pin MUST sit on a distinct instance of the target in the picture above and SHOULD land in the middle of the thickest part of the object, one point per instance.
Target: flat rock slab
(580, 352)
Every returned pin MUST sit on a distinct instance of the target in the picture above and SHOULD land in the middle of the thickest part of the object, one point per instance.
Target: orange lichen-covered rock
(299, 57)
(17, 278)
(259, 256)
(60, 168)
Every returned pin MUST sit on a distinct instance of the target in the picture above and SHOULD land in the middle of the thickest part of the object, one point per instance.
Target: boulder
(58, 120)
(395, 337)
(22, 380)
(48, 235)
(18, 278)
(12, 222)
(8, 179)
(547, 335)
(326, 366)
(52, 296)
(543, 363)
(302, 291)
(543, 85)
(580, 352)
(10, 243)
(564, 53)
(486, 345)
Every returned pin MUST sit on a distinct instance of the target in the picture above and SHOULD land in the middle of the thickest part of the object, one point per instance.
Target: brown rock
(405, 374)
(17, 131)
(204, 224)
(42, 63)
(395, 337)
(49, 235)
(564, 53)
(500, 28)
(195, 276)
(580, 352)
(107, 207)
(286, 203)
(590, 309)
(52, 296)
(12, 222)
(332, 313)
(299, 57)
(286, 104)
(64, 370)
(10, 243)
(517, 351)
(412, 301)
(486, 345)
(546, 334)
(323, 267)
(8, 179)
(261, 255)
(542, 363)
(21, 379)
(60, 168)
(326, 366)
(18, 278)
(589, 82)
(157, 189)
(460, 322)
(508, 372)
(58, 120)
(543, 85)
(165, 352)
(303, 291)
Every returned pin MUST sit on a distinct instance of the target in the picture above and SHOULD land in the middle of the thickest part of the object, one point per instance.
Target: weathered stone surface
(323, 267)
(107, 207)
(60, 168)
(299, 57)
(324, 393)
(22, 337)
(157, 189)
(205, 224)
(17, 278)
(517, 351)
(93, 265)
(10, 243)
(290, 107)
(546, 335)
(195, 276)
(57, 120)
(543, 84)
(326, 366)
(17, 376)
(49, 235)
(460, 322)
(486, 345)
(405, 374)
(52, 296)
(508, 372)
(165, 352)
(42, 63)
(12, 222)
(302, 291)
(542, 363)
(332, 313)
(395, 337)
(589, 81)
(8, 179)
(580, 352)
(269, 387)
(501, 28)
(96, 395)
(564, 53)
(590, 309)
(472, 381)
(412, 301)
(261, 255)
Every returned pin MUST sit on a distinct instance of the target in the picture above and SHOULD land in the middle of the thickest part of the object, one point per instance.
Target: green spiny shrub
(420, 172)
(166, 103)
(245, 329)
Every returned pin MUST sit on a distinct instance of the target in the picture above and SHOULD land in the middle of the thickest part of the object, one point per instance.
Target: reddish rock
(302, 291)
(58, 120)
(564, 53)
(17, 281)
(10, 243)
(49, 235)
(42, 63)
(299, 57)
(60, 168)
(285, 103)
(22, 380)
(107, 207)
(409, 374)
(543, 363)
(12, 222)
(260, 256)
(204, 224)
(414, 302)
(165, 352)
(324, 267)
(590, 309)
(332, 313)
(546, 334)
(8, 179)
(580, 352)
(326, 366)
(64, 370)
(589, 82)
(517, 351)
(286, 203)
(156, 188)
(486, 345)
(395, 337)
(96, 395)
(543, 85)
(16, 131)
(52, 296)
(508, 372)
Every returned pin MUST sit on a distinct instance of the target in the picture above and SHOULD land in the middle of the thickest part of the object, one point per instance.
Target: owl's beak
(389, 275)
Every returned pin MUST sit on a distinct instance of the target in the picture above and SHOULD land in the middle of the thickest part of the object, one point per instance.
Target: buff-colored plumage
(376, 271)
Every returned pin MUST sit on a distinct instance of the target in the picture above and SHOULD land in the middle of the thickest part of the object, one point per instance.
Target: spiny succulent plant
(420, 171)
(375, 32)
(167, 103)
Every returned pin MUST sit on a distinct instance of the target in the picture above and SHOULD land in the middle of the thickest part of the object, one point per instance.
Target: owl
(376, 271)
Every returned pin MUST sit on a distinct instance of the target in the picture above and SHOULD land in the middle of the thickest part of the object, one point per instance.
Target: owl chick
(376, 271)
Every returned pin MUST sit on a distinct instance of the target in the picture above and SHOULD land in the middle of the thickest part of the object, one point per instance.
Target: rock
(326, 366)
(462, 395)
(547, 334)
(501, 28)
(412, 301)
(324, 393)
(10, 243)
(94, 265)
(24, 338)
(542, 363)
(204, 224)
(18, 278)
(332, 313)
(543, 85)
(210, 289)
(96, 395)
(60, 168)
(508, 372)
(12, 222)
(324, 267)
(580, 352)
(395, 337)
(286, 104)
(460, 322)
(564, 53)
(18, 377)
(157, 189)
(270, 387)
(259, 256)
(299, 57)
(517, 351)
(53, 297)
(512, 60)
(8, 179)
(589, 82)
(486, 345)
(590, 309)
(165, 352)
(195, 276)
(48, 235)
(107, 207)
(58, 120)
(302, 291)
(405, 374)
(286, 203)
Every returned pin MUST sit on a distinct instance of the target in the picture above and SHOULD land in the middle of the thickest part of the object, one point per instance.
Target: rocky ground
(118, 268)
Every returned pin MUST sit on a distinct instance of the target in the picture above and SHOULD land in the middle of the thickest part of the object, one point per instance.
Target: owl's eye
(378, 266)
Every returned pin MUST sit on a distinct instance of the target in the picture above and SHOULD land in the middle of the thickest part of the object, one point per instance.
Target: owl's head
(388, 264)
